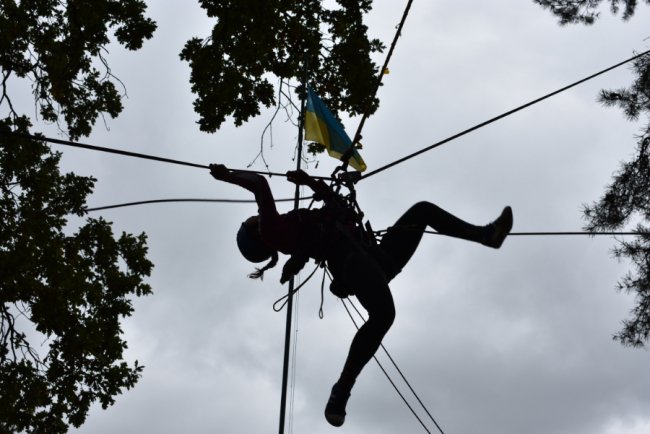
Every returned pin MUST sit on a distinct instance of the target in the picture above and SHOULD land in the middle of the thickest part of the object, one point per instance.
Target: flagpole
(296, 202)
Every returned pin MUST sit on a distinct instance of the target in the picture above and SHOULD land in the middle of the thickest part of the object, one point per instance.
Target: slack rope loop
(285, 298)
(321, 314)
(501, 116)
(145, 202)
(128, 153)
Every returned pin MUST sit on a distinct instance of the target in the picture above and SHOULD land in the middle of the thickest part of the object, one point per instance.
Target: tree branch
(5, 94)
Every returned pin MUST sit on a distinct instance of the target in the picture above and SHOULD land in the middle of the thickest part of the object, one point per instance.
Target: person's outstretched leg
(401, 239)
(373, 293)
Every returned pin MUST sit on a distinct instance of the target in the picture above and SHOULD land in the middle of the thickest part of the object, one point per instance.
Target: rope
(145, 202)
(99, 148)
(357, 136)
(384, 68)
(379, 232)
(285, 298)
(403, 377)
(294, 353)
(528, 234)
(127, 153)
(501, 116)
(322, 293)
(388, 376)
(539, 233)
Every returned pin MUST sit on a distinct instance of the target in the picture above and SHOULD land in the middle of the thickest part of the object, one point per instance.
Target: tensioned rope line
(127, 153)
(99, 148)
(379, 232)
(528, 234)
(402, 375)
(145, 202)
(388, 376)
(558, 233)
(501, 116)
(382, 71)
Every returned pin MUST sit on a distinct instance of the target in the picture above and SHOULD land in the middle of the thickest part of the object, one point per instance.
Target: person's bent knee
(425, 207)
(420, 211)
(389, 318)
(382, 319)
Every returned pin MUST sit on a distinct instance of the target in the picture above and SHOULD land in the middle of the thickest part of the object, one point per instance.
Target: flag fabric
(322, 127)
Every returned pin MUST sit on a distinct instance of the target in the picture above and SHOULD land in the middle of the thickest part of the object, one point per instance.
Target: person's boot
(498, 230)
(335, 408)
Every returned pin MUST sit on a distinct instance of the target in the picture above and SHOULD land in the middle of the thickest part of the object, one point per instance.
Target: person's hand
(219, 171)
(292, 267)
(298, 177)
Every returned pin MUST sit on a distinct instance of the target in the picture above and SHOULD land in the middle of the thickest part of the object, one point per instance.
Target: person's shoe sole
(502, 227)
(335, 419)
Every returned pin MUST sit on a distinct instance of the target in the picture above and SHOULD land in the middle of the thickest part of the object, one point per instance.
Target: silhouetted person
(358, 267)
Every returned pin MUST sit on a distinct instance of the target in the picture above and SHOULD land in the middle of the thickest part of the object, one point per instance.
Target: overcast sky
(509, 341)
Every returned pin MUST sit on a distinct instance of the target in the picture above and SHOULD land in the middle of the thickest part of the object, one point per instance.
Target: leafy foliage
(63, 292)
(58, 45)
(72, 289)
(252, 41)
(628, 196)
(585, 11)
(634, 100)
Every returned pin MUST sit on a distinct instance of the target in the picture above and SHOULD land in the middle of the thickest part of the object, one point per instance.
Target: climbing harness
(345, 217)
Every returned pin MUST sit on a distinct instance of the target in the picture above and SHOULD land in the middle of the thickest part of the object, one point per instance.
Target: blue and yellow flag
(322, 127)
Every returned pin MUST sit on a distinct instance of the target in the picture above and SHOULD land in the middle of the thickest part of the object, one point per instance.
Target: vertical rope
(294, 350)
(287, 334)
(293, 368)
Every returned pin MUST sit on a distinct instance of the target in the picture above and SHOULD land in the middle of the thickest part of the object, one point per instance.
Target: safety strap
(285, 298)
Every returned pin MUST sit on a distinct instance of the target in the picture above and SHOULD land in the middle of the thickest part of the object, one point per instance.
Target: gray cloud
(509, 341)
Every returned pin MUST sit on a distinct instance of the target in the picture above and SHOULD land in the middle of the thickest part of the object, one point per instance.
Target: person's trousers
(368, 271)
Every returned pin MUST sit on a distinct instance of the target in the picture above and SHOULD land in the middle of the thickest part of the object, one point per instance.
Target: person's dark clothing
(358, 267)
(364, 270)
(311, 232)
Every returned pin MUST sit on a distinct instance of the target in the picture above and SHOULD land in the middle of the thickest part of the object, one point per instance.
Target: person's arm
(321, 190)
(252, 182)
